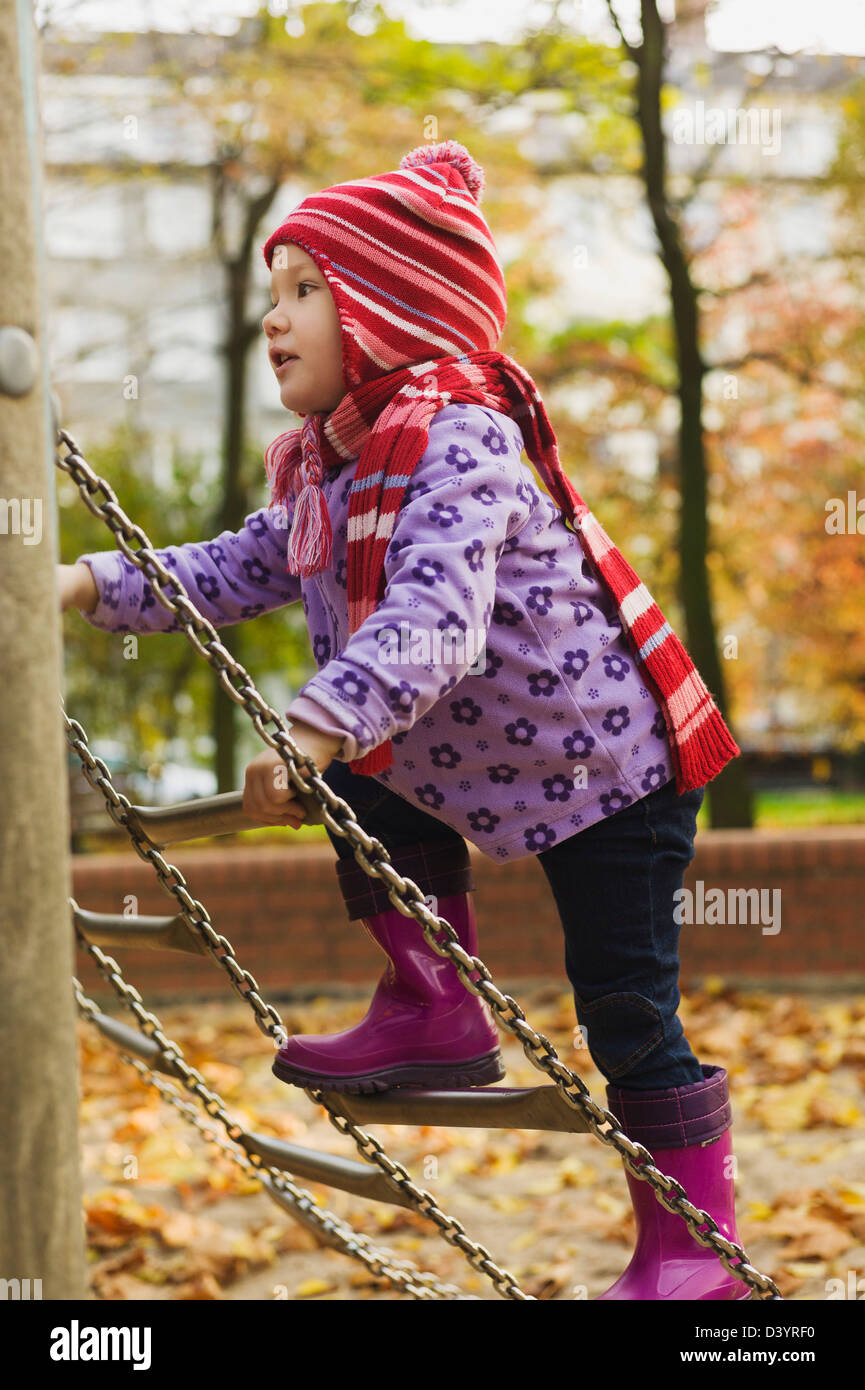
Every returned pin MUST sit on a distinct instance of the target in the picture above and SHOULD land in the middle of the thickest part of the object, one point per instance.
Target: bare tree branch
(604, 366)
(806, 375)
(629, 48)
(779, 270)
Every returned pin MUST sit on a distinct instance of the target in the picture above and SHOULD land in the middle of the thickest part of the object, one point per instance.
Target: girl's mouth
(283, 366)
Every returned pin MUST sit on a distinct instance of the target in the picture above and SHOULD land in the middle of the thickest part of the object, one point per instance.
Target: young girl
(490, 669)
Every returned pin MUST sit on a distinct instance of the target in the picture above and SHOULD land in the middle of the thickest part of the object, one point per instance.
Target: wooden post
(41, 1227)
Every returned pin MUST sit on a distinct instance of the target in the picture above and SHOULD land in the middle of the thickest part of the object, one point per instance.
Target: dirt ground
(171, 1217)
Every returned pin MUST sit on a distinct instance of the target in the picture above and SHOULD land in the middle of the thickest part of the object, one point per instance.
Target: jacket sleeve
(468, 495)
(311, 712)
(230, 579)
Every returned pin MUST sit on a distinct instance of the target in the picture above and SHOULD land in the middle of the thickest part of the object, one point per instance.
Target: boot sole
(428, 1076)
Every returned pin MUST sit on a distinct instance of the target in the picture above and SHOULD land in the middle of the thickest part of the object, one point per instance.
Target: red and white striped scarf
(386, 423)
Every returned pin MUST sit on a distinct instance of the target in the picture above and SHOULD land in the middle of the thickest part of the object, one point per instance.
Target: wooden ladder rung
(154, 933)
(481, 1107)
(204, 816)
(131, 1039)
(328, 1169)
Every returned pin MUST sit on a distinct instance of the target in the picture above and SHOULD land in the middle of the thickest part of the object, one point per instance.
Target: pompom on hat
(448, 152)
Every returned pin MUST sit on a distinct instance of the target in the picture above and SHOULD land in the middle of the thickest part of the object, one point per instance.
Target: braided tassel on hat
(297, 472)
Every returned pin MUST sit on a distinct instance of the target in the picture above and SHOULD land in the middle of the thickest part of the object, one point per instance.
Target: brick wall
(283, 913)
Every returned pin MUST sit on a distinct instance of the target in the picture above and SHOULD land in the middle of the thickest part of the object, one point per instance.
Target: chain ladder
(197, 917)
(407, 898)
(332, 1230)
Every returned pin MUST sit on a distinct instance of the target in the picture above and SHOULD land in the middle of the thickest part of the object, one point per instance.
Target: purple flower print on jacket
(496, 660)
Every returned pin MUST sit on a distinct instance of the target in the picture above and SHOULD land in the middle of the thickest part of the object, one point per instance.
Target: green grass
(276, 835)
(798, 807)
(811, 806)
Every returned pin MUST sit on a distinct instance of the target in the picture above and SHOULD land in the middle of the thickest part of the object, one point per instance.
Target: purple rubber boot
(423, 1028)
(687, 1129)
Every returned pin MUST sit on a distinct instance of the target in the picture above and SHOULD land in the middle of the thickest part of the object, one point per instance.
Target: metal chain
(198, 918)
(194, 913)
(405, 895)
(403, 1274)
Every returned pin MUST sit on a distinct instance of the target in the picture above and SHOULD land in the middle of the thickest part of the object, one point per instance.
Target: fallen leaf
(559, 1276)
(203, 1287)
(508, 1203)
(311, 1288)
(818, 1240)
(178, 1230)
(802, 1270)
(759, 1211)
(574, 1172)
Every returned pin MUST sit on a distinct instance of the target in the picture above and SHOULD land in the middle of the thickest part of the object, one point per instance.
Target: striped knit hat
(409, 260)
(414, 274)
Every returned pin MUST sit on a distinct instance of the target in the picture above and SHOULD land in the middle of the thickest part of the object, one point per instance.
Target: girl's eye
(309, 284)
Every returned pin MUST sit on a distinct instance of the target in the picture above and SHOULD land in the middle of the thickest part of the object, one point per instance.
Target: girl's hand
(77, 587)
(269, 796)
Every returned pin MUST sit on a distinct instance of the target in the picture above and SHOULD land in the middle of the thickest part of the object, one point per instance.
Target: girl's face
(304, 324)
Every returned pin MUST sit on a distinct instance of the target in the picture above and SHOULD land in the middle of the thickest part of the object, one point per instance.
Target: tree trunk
(234, 504)
(729, 796)
(233, 501)
(41, 1233)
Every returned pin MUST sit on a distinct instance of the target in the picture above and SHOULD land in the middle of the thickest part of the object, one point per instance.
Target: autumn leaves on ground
(169, 1216)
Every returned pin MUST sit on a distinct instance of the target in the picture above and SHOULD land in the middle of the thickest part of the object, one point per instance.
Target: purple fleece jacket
(550, 729)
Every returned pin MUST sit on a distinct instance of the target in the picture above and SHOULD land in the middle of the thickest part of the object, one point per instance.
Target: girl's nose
(274, 320)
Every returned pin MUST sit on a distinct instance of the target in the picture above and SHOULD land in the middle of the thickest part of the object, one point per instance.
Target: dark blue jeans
(613, 884)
